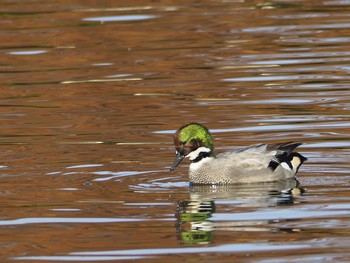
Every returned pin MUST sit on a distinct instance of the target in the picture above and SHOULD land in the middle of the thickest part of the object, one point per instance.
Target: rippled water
(92, 91)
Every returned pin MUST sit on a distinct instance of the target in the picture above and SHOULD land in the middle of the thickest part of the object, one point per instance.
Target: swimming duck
(252, 164)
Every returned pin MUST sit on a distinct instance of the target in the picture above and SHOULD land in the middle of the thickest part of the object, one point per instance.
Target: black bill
(177, 161)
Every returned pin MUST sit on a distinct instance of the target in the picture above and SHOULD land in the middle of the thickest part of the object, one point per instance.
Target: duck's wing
(271, 155)
(287, 147)
(271, 148)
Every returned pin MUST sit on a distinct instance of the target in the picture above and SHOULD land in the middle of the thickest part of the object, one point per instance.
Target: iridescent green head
(192, 140)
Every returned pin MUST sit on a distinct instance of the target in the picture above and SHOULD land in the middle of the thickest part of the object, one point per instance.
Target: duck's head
(194, 141)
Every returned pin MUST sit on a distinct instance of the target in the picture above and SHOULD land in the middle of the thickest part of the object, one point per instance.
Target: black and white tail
(286, 157)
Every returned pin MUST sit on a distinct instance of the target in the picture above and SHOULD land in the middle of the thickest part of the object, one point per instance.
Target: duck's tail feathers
(286, 157)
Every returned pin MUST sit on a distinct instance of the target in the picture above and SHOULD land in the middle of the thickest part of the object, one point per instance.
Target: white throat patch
(193, 155)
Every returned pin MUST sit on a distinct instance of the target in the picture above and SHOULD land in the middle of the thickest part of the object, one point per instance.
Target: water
(91, 93)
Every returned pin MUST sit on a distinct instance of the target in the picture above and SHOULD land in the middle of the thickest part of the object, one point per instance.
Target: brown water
(91, 92)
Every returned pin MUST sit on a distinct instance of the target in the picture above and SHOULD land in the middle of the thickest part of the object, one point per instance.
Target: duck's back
(258, 163)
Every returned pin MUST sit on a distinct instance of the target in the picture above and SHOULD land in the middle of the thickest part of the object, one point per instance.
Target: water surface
(91, 93)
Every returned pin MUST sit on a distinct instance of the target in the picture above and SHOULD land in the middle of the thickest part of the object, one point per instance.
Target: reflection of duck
(194, 217)
(194, 212)
(254, 194)
(257, 163)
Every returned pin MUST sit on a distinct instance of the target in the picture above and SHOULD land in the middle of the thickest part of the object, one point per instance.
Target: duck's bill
(177, 162)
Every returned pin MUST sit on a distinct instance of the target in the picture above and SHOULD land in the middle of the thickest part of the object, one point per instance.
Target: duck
(252, 164)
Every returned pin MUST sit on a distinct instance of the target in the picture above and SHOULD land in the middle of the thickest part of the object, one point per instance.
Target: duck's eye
(182, 142)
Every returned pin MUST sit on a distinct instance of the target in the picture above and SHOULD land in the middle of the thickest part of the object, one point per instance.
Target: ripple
(78, 258)
(281, 127)
(339, 2)
(84, 166)
(295, 118)
(66, 209)
(283, 214)
(299, 16)
(76, 220)
(334, 145)
(225, 248)
(317, 40)
(284, 29)
(293, 55)
(298, 61)
(286, 77)
(147, 204)
(68, 188)
(27, 52)
(326, 181)
(194, 250)
(113, 175)
(119, 18)
(157, 186)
